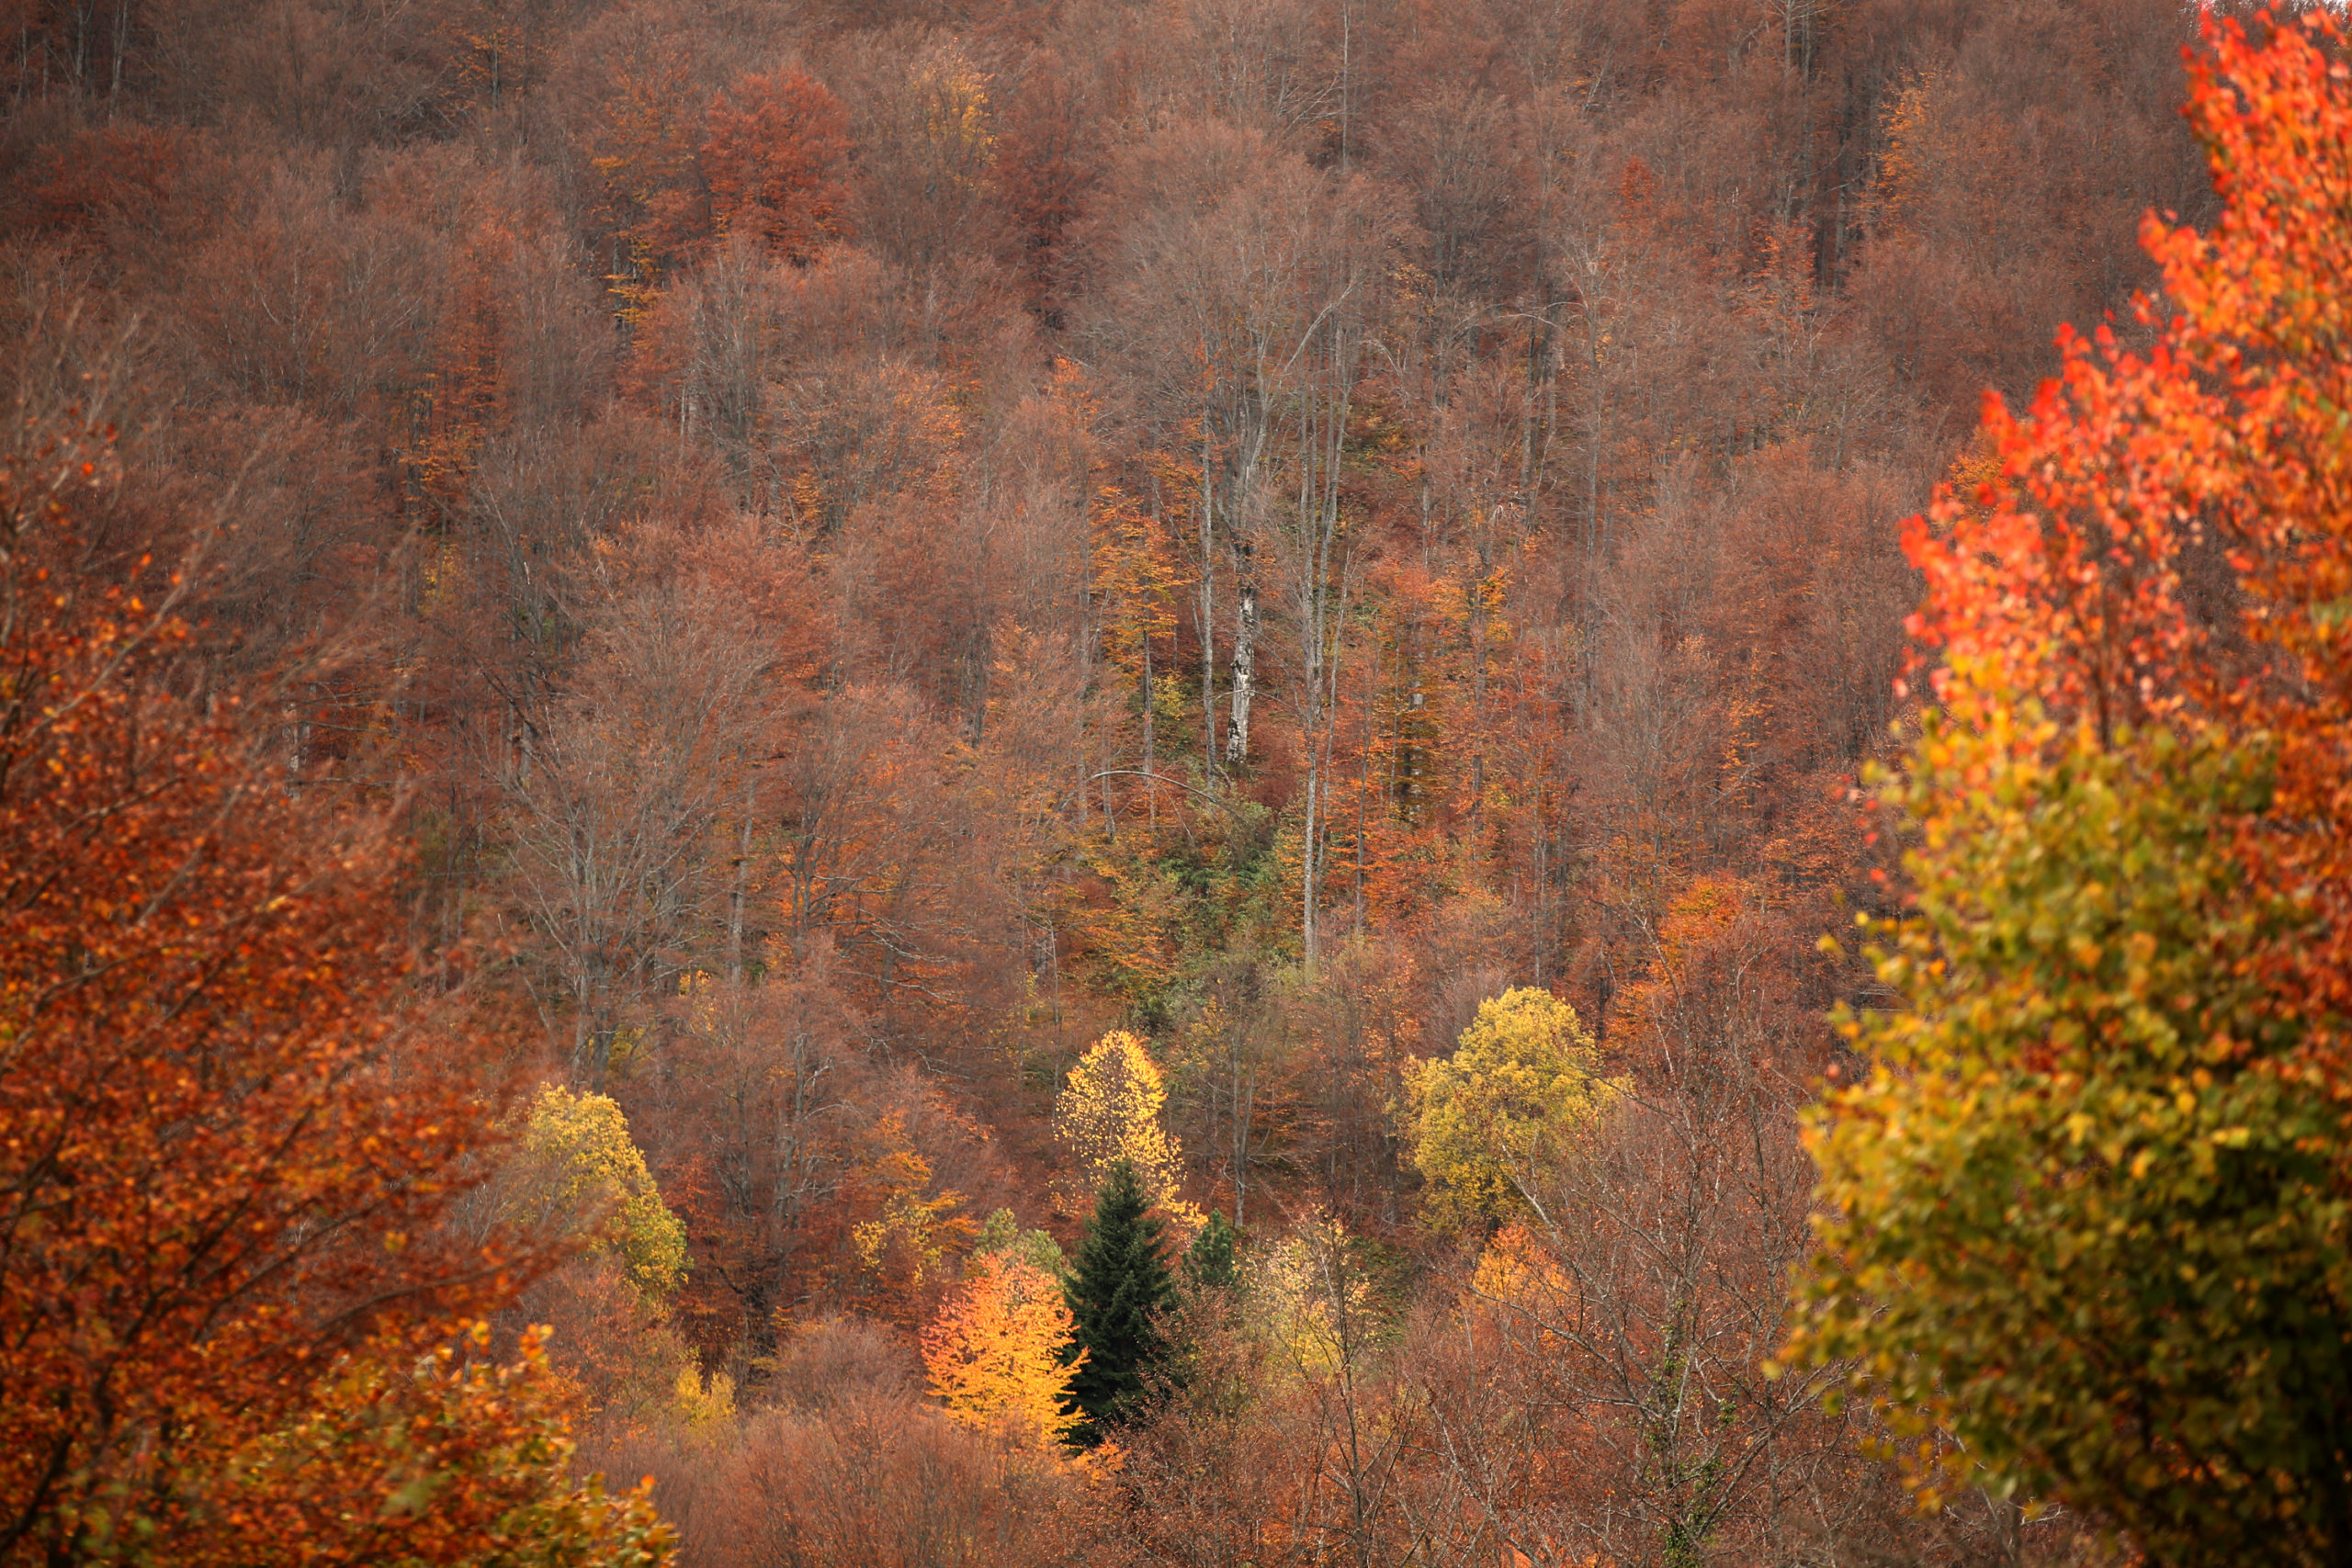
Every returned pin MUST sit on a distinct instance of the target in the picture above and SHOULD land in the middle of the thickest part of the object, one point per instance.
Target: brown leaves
(221, 1157)
(775, 160)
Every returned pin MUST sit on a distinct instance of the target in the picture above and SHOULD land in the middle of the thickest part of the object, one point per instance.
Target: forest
(1210, 782)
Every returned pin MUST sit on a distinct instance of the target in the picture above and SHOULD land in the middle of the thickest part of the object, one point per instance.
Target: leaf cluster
(2077, 1216)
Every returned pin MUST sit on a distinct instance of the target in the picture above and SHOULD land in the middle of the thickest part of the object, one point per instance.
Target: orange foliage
(2086, 573)
(995, 1351)
(439, 1458)
(219, 1163)
(122, 170)
(773, 160)
(465, 394)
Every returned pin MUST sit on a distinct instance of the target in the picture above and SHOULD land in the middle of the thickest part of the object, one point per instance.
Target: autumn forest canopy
(1168, 782)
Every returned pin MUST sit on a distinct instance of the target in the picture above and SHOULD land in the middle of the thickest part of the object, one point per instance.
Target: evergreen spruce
(1214, 1263)
(1116, 1292)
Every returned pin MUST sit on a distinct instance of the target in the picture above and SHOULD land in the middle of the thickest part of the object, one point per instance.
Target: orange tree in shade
(228, 1122)
(2088, 1214)
(996, 1351)
(774, 162)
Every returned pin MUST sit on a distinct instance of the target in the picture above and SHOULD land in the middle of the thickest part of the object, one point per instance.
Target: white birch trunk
(1245, 668)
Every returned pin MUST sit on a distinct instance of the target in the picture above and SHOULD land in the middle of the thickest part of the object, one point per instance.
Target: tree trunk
(1208, 624)
(1245, 666)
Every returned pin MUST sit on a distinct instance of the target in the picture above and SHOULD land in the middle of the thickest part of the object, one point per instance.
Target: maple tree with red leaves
(2171, 535)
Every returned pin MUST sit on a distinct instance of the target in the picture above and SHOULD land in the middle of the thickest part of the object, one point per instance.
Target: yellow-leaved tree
(995, 1351)
(1486, 1122)
(580, 1167)
(1002, 1233)
(1109, 1111)
(577, 1172)
(1310, 1300)
(918, 1228)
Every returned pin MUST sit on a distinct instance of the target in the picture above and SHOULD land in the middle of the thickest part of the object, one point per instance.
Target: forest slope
(875, 543)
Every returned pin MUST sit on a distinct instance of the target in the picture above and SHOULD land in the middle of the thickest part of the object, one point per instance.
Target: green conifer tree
(1213, 1262)
(1116, 1292)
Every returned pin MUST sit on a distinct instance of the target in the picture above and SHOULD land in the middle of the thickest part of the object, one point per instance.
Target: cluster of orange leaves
(229, 1126)
(2169, 537)
(995, 1352)
(773, 160)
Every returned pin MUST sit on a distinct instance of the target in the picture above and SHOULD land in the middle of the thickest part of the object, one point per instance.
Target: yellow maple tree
(579, 1166)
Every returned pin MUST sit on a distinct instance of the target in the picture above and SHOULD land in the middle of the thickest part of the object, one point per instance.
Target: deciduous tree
(1108, 1115)
(230, 1128)
(1490, 1119)
(773, 162)
(2086, 1212)
(580, 1163)
(999, 1352)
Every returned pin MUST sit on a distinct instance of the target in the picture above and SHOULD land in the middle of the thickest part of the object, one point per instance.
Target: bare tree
(613, 790)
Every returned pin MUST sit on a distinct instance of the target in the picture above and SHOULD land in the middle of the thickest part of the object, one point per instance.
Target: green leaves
(2077, 1217)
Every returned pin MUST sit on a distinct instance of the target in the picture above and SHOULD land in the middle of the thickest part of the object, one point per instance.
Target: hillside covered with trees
(1021, 783)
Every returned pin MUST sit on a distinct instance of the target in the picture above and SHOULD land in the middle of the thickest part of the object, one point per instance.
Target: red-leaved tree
(775, 160)
(2172, 534)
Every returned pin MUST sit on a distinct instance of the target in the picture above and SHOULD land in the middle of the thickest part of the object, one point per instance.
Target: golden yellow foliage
(953, 95)
(1489, 1122)
(1309, 1300)
(1109, 1111)
(703, 1404)
(582, 1159)
(902, 1246)
(995, 1352)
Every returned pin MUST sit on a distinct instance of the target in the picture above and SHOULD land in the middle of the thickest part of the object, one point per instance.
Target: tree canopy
(584, 1167)
(999, 1353)
(2085, 1214)
(1522, 1081)
(1118, 1286)
(1109, 1114)
(224, 1161)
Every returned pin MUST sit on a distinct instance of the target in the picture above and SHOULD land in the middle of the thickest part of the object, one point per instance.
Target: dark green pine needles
(1214, 1263)
(1116, 1292)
